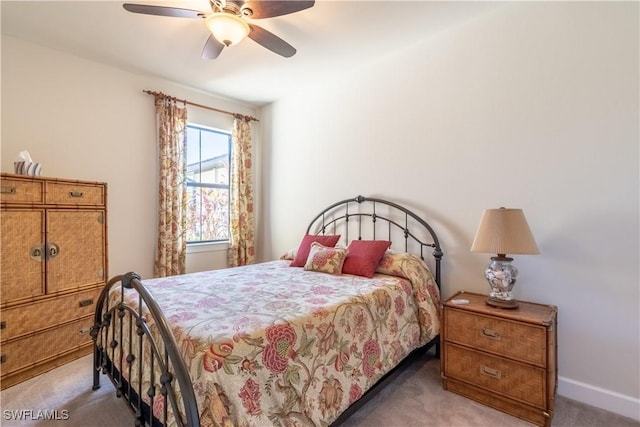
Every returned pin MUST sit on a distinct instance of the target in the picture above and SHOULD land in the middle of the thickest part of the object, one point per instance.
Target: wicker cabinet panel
(516, 340)
(79, 238)
(504, 376)
(504, 404)
(17, 190)
(44, 346)
(21, 275)
(74, 193)
(53, 266)
(504, 358)
(23, 320)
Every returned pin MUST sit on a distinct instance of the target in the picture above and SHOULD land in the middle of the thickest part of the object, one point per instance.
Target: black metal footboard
(141, 357)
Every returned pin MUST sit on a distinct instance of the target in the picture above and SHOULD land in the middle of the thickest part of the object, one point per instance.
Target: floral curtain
(172, 244)
(241, 222)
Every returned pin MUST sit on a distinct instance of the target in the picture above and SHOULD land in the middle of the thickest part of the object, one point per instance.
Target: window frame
(191, 184)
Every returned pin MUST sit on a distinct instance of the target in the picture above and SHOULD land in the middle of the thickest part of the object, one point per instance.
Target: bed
(303, 340)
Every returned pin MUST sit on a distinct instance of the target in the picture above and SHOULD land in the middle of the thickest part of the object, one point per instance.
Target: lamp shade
(227, 28)
(504, 231)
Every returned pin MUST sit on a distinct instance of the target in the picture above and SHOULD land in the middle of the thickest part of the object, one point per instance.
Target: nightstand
(503, 358)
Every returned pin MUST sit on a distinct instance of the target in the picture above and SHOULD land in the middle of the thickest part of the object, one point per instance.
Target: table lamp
(503, 231)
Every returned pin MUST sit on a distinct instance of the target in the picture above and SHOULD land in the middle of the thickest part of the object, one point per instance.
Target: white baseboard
(600, 398)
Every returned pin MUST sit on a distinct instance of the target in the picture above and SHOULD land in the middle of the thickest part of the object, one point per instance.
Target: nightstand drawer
(515, 340)
(514, 380)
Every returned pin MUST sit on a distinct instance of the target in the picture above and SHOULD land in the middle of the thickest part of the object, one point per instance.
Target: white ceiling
(331, 37)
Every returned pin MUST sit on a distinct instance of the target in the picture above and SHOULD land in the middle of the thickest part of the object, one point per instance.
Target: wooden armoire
(53, 265)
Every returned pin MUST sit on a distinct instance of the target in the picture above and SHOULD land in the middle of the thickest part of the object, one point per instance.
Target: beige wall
(534, 106)
(84, 120)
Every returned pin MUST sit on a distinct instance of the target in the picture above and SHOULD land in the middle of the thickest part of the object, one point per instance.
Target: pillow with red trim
(325, 259)
(363, 256)
(303, 250)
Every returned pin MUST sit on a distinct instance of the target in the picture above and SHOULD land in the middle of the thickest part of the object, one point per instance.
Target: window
(208, 158)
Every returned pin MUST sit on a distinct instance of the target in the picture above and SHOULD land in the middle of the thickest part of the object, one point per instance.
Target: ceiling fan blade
(212, 48)
(162, 11)
(271, 41)
(258, 9)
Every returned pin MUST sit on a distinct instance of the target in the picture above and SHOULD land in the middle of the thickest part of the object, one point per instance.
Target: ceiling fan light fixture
(228, 29)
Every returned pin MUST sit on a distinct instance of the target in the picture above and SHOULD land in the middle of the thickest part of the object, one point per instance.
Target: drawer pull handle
(76, 193)
(85, 302)
(493, 373)
(3, 358)
(8, 190)
(3, 325)
(489, 333)
(85, 331)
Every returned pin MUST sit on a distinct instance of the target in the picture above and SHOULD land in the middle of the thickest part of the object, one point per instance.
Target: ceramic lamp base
(501, 275)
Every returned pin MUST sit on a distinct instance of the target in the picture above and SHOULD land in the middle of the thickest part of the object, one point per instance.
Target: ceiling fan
(227, 22)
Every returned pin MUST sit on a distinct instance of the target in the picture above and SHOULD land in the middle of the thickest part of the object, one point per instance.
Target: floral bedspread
(269, 344)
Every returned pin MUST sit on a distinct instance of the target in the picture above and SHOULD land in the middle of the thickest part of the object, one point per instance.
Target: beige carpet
(415, 398)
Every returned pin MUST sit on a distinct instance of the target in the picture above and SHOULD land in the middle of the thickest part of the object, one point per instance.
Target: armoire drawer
(516, 340)
(21, 320)
(510, 379)
(25, 352)
(16, 190)
(68, 193)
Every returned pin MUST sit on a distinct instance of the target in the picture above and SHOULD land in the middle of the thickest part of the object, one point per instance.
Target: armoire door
(75, 249)
(22, 264)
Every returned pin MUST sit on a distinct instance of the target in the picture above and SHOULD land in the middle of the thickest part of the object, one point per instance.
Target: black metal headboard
(369, 217)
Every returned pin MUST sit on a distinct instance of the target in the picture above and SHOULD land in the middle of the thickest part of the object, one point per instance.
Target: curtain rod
(162, 95)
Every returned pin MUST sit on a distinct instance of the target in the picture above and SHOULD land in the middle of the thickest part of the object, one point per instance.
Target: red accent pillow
(363, 256)
(303, 250)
